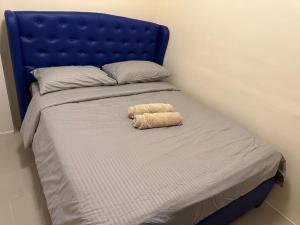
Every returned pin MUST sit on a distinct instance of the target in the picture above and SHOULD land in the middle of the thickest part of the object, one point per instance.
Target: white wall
(6, 125)
(243, 58)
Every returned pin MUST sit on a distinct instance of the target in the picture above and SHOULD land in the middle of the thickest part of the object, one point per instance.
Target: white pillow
(52, 79)
(136, 71)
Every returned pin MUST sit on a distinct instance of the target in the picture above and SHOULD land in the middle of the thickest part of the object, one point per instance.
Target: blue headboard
(42, 39)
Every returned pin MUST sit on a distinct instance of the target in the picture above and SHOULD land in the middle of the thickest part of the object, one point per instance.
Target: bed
(94, 167)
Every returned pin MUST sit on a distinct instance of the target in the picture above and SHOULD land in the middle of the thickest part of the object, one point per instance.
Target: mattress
(95, 168)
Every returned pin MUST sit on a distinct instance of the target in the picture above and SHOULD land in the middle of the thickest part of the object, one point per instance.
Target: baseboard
(7, 132)
(279, 212)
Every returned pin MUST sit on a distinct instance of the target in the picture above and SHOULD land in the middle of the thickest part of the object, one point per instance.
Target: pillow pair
(52, 79)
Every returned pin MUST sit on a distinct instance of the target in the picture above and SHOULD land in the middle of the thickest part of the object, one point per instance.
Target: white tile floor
(22, 201)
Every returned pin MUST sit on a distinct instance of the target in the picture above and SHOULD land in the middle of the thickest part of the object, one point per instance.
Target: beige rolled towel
(155, 120)
(149, 108)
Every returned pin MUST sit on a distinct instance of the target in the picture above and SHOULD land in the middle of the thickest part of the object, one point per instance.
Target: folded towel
(155, 120)
(149, 108)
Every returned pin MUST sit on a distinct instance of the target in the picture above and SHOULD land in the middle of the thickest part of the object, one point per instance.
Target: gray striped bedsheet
(95, 168)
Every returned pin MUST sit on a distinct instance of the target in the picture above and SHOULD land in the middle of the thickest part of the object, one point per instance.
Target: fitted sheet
(95, 168)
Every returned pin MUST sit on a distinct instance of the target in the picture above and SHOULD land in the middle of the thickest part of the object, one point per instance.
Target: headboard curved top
(42, 39)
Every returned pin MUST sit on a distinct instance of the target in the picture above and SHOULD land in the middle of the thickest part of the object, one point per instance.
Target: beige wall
(243, 58)
(240, 57)
(6, 125)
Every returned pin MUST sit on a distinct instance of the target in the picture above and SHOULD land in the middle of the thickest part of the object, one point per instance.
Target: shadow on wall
(8, 75)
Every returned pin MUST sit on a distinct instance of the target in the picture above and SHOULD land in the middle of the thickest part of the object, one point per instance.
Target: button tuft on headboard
(82, 52)
(62, 52)
(82, 25)
(99, 54)
(52, 38)
(39, 21)
(62, 22)
(100, 27)
(73, 40)
(133, 29)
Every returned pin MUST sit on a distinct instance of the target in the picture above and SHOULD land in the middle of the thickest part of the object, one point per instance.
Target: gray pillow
(65, 77)
(136, 71)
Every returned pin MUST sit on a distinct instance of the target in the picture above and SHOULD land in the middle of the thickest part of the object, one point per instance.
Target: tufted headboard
(42, 39)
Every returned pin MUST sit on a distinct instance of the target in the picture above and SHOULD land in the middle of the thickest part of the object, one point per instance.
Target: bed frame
(42, 39)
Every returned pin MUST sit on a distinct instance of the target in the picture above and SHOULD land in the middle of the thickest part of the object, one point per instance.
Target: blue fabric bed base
(237, 208)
